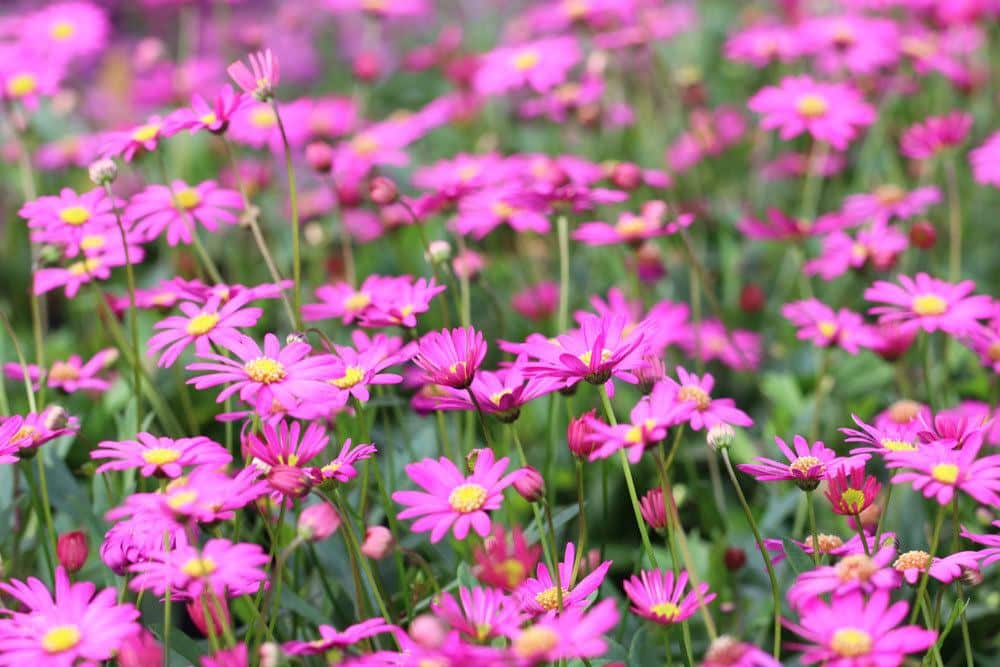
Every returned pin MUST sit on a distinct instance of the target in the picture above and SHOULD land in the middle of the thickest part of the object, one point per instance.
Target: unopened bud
(428, 631)
(140, 650)
(383, 191)
(971, 577)
(530, 484)
(319, 156)
(720, 435)
(72, 549)
(438, 251)
(923, 234)
(578, 433)
(271, 655)
(318, 522)
(734, 558)
(378, 542)
(218, 614)
(289, 481)
(751, 298)
(103, 171)
(471, 458)
(55, 417)
(367, 66)
(296, 337)
(626, 175)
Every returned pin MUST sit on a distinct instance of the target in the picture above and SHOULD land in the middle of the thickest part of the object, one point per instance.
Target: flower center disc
(804, 464)
(199, 567)
(811, 106)
(61, 638)
(159, 456)
(187, 199)
(352, 376)
(851, 642)
(856, 567)
(467, 498)
(265, 370)
(696, 395)
(535, 640)
(929, 304)
(668, 611)
(549, 598)
(74, 215)
(202, 323)
(912, 559)
(946, 473)
(526, 60)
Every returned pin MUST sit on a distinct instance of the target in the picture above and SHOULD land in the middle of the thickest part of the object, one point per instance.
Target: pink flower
(830, 112)
(399, 300)
(781, 226)
(71, 375)
(24, 79)
(631, 228)
(343, 300)
(889, 201)
(728, 652)
(710, 133)
(985, 161)
(212, 116)
(927, 138)
(851, 496)
(877, 246)
(452, 500)
(68, 218)
(256, 124)
(77, 274)
(912, 565)
(481, 212)
(162, 457)
(214, 323)
(73, 626)
(857, 44)
(760, 44)
(818, 323)
(992, 541)
(502, 563)
(357, 369)
(647, 425)
(738, 349)
(930, 304)
(692, 396)
(882, 440)
(260, 78)
(541, 65)
(852, 573)
(35, 429)
(66, 30)
(128, 143)
(852, 631)
(220, 566)
(451, 358)
(283, 376)
(791, 164)
(536, 302)
(330, 638)
(539, 594)
(575, 633)
(342, 467)
(656, 595)
(938, 472)
(177, 209)
(808, 464)
(481, 614)
(285, 445)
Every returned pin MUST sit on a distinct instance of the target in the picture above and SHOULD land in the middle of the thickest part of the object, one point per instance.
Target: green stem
(482, 418)
(581, 542)
(881, 516)
(133, 310)
(556, 576)
(812, 528)
(935, 537)
(353, 545)
(861, 535)
(954, 223)
(562, 230)
(294, 204)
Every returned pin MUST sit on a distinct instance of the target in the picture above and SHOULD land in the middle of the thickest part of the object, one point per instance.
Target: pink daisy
(69, 217)
(128, 143)
(889, 201)
(808, 464)
(213, 116)
(481, 212)
(985, 161)
(818, 323)
(35, 429)
(362, 366)
(502, 562)
(830, 112)
(938, 472)
(10, 437)
(480, 613)
(67, 30)
(71, 375)
(851, 492)
(882, 440)
(927, 138)
(930, 304)
(451, 358)
(77, 274)
(399, 300)
(285, 445)
(227, 569)
(452, 500)
(159, 456)
(260, 78)
(656, 595)
(575, 633)
(852, 43)
(852, 573)
(342, 467)
(631, 228)
(177, 208)
(991, 553)
(877, 247)
(215, 323)
(781, 226)
(541, 65)
(25, 79)
(692, 396)
(343, 300)
(539, 594)
(648, 423)
(760, 44)
(912, 564)
(331, 638)
(729, 652)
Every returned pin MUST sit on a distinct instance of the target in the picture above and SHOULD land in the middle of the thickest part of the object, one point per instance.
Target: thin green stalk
(556, 575)
(935, 537)
(354, 545)
(775, 591)
(294, 204)
(206, 259)
(822, 389)
(548, 552)
(581, 541)
(966, 644)
(954, 222)
(812, 528)
(562, 230)
(861, 535)
(482, 418)
(881, 516)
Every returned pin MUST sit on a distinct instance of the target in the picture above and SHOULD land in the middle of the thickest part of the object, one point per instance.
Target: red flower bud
(378, 542)
(735, 558)
(751, 298)
(923, 234)
(382, 190)
(289, 480)
(626, 175)
(72, 549)
(319, 155)
(530, 484)
(217, 610)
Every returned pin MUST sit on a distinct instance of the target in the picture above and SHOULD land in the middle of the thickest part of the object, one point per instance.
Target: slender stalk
(935, 537)
(562, 230)
(581, 541)
(954, 222)
(482, 418)
(881, 516)
(294, 203)
(822, 389)
(775, 591)
(861, 535)
(556, 574)
(963, 620)
(812, 528)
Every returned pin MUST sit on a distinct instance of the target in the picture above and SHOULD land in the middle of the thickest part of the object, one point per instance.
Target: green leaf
(559, 519)
(797, 558)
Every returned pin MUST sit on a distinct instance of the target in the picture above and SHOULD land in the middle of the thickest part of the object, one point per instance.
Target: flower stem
(954, 223)
(581, 541)
(482, 418)
(775, 591)
(812, 528)
(562, 230)
(881, 517)
(294, 204)
(935, 537)
(353, 545)
(861, 534)
(557, 576)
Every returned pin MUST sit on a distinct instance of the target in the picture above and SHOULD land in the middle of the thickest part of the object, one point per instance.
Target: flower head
(480, 613)
(853, 572)
(216, 322)
(162, 457)
(575, 633)
(659, 596)
(505, 563)
(178, 208)
(332, 638)
(825, 327)
(451, 358)
(807, 465)
(694, 404)
(213, 116)
(220, 566)
(541, 65)
(938, 472)
(924, 302)
(852, 492)
(540, 594)
(927, 138)
(260, 79)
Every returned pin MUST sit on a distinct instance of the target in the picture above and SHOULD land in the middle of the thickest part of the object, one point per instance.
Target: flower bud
(471, 458)
(296, 337)
(378, 542)
(319, 156)
(140, 650)
(318, 522)
(626, 175)
(55, 417)
(383, 191)
(734, 558)
(468, 264)
(971, 577)
(923, 234)
(720, 435)
(651, 372)
(530, 484)
(289, 481)
(218, 614)
(751, 298)
(271, 655)
(428, 631)
(438, 251)
(348, 194)
(72, 549)
(578, 433)
(367, 66)
(103, 171)
(654, 509)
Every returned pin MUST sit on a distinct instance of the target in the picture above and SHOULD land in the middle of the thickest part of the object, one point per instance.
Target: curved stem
(861, 535)
(294, 204)
(812, 528)
(562, 230)
(935, 537)
(581, 541)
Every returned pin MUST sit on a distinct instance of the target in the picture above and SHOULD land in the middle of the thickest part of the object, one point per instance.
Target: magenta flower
(220, 566)
(631, 228)
(256, 124)
(505, 563)
(214, 323)
(451, 500)
(342, 467)
(912, 565)
(887, 202)
(541, 65)
(709, 339)
(930, 304)
(77, 274)
(818, 323)
(852, 573)
(991, 553)
(260, 78)
(343, 300)
(536, 302)
(359, 367)
(35, 429)
(275, 376)
(575, 633)
(876, 246)
(331, 638)
(539, 594)
(213, 116)
(830, 112)
(398, 301)
(480, 613)
(807, 465)
(72, 626)
(177, 208)
(128, 143)
(883, 440)
(451, 358)
(852, 631)
(851, 43)
(71, 375)
(927, 138)
(481, 212)
(760, 44)
(10, 438)
(68, 218)
(852, 492)
(162, 457)
(780, 226)
(985, 161)
(66, 30)
(692, 397)
(938, 472)
(648, 423)
(656, 595)
(285, 445)
(729, 652)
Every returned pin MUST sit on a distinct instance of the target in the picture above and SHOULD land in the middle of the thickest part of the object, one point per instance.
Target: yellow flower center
(527, 59)
(483, 631)
(497, 397)
(912, 559)
(946, 473)
(290, 460)
(199, 567)
(696, 395)
(61, 371)
(843, 35)
(352, 376)
(21, 85)
(62, 30)
(265, 370)
(92, 242)
(514, 570)
(854, 500)
(897, 445)
(187, 199)
(535, 640)
(84, 266)
(889, 194)
(263, 116)
(209, 119)
(804, 464)
(576, 9)
(373, 5)
(549, 598)
(467, 497)
(74, 215)
(811, 106)
(502, 209)
(25, 432)
(826, 543)
(851, 642)
(586, 357)
(357, 301)
(916, 47)
(634, 435)
(827, 328)
(364, 144)
(181, 499)
(668, 611)
(202, 323)
(630, 225)
(856, 567)
(145, 133)
(859, 251)
(332, 467)
(159, 456)
(61, 638)
(929, 304)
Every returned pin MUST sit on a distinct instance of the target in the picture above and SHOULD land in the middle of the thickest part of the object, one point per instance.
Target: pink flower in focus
(178, 208)
(227, 569)
(162, 457)
(260, 78)
(342, 467)
(930, 304)
(852, 492)
(539, 594)
(656, 595)
(938, 472)
(128, 143)
(692, 396)
(451, 358)
(212, 116)
(215, 323)
(913, 564)
(807, 466)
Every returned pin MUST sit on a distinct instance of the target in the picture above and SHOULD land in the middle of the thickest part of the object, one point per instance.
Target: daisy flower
(692, 397)
(285, 376)
(808, 464)
(855, 631)
(912, 564)
(71, 375)
(852, 574)
(830, 112)
(656, 595)
(214, 323)
(77, 274)
(479, 213)
(72, 625)
(985, 161)
(930, 304)
(852, 492)
(648, 423)
(729, 652)
(762, 43)
(480, 613)
(260, 78)
(213, 116)
(991, 553)
(227, 569)
(343, 300)
(10, 437)
(927, 138)
(451, 500)
(158, 456)
(876, 246)
(67, 30)
(399, 300)
(128, 143)
(255, 124)
(35, 429)
(285, 445)
(887, 202)
(779, 226)
(451, 358)
(938, 472)
(25, 79)
(361, 366)
(69, 217)
(575, 633)
(505, 563)
(341, 468)
(819, 323)
(331, 638)
(536, 302)
(856, 44)
(709, 339)
(539, 594)
(542, 65)
(631, 228)
(177, 208)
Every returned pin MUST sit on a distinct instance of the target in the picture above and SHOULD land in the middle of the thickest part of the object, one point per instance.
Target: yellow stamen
(202, 323)
(467, 497)
(851, 642)
(668, 611)
(946, 473)
(61, 638)
(74, 215)
(352, 376)
(145, 133)
(527, 59)
(929, 304)
(811, 106)
(265, 370)
(159, 456)
(199, 567)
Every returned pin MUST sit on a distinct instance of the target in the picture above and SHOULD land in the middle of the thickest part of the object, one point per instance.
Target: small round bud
(289, 481)
(218, 614)
(530, 485)
(923, 234)
(428, 631)
(578, 433)
(72, 549)
(751, 298)
(378, 542)
(471, 458)
(651, 372)
(271, 655)
(367, 66)
(626, 175)
(55, 417)
(103, 171)
(438, 251)
(296, 337)
(318, 522)
(348, 194)
(734, 558)
(720, 435)
(383, 191)
(319, 156)
(971, 577)
(654, 509)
